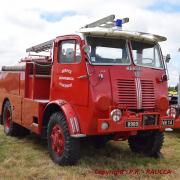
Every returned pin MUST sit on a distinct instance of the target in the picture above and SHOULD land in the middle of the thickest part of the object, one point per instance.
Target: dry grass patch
(28, 158)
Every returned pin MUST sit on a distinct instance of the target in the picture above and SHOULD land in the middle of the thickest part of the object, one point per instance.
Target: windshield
(108, 51)
(146, 54)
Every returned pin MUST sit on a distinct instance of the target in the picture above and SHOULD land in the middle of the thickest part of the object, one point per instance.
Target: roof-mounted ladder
(41, 47)
(107, 22)
(115, 25)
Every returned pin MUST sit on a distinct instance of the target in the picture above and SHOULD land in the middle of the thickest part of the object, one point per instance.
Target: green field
(27, 158)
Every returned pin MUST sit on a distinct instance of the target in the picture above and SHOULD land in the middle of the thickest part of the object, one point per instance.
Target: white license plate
(169, 122)
(132, 124)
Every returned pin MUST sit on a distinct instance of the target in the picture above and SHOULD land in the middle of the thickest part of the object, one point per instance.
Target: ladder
(107, 22)
(41, 47)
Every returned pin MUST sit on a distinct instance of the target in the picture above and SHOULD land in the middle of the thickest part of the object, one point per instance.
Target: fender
(70, 115)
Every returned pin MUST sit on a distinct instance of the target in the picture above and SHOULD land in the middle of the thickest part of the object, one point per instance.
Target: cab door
(69, 79)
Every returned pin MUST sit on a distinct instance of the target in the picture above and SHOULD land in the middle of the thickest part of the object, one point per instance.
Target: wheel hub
(57, 140)
(8, 119)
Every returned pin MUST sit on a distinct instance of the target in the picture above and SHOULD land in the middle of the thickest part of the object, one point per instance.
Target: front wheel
(148, 143)
(63, 149)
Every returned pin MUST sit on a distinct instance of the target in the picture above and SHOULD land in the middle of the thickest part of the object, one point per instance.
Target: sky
(24, 23)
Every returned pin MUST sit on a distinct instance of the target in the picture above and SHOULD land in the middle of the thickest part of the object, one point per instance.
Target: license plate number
(132, 124)
(168, 122)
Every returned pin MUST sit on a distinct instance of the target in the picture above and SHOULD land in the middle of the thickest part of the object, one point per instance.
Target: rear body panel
(20, 93)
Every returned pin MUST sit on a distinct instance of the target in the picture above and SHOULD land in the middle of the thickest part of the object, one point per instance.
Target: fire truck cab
(104, 83)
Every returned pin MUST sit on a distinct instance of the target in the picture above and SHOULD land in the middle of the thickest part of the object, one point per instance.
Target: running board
(78, 135)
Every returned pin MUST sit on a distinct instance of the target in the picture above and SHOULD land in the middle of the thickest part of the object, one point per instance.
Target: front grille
(126, 93)
(148, 99)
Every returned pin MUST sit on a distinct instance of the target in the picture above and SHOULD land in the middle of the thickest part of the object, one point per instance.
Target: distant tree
(176, 88)
(171, 88)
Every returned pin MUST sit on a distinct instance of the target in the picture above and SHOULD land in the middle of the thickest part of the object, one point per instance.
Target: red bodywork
(87, 98)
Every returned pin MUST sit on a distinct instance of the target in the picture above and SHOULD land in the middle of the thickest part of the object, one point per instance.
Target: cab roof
(118, 33)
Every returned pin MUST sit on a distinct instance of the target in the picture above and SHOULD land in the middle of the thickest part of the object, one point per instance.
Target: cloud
(56, 16)
(26, 23)
(165, 7)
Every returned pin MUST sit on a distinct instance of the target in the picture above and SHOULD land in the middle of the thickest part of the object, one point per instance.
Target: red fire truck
(103, 83)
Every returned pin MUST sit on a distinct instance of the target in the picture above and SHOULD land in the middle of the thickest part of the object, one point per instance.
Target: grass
(28, 158)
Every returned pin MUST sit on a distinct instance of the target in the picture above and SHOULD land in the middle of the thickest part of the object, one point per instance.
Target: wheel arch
(69, 114)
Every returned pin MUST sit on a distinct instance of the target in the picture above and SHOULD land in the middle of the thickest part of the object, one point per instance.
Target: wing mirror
(167, 58)
(87, 49)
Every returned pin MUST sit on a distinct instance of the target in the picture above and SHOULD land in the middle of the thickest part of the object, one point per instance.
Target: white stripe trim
(76, 125)
(72, 125)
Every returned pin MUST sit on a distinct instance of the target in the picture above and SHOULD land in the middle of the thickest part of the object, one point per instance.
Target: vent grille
(126, 94)
(148, 99)
(127, 97)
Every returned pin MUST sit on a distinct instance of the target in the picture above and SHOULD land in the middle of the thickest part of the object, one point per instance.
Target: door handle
(83, 76)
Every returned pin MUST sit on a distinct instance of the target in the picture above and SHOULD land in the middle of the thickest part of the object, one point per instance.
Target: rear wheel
(11, 128)
(148, 143)
(63, 149)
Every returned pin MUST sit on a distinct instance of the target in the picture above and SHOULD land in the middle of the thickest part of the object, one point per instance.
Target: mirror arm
(168, 57)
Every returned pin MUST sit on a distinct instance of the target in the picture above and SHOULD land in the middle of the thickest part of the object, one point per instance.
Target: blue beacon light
(119, 22)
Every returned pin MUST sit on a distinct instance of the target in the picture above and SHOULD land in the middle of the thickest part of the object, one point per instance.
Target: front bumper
(160, 123)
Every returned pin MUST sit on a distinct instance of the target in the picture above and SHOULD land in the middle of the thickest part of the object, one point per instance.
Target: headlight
(116, 115)
(171, 112)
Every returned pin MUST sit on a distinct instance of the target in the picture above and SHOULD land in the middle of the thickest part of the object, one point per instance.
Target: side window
(157, 58)
(69, 52)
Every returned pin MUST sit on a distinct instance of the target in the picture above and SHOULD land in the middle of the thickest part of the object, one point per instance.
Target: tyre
(148, 143)
(63, 149)
(10, 128)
